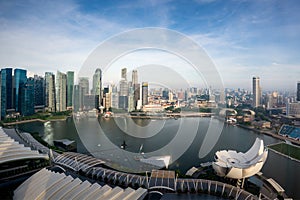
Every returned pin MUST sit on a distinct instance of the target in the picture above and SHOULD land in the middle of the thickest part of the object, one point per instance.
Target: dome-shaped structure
(240, 165)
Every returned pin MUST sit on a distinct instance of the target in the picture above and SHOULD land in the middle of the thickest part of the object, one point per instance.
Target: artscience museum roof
(237, 165)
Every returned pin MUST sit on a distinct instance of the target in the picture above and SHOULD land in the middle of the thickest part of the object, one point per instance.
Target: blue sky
(243, 38)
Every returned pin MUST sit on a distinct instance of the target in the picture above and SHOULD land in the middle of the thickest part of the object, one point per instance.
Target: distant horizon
(31, 74)
(242, 38)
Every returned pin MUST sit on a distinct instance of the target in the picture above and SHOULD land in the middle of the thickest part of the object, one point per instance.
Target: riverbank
(266, 132)
(35, 120)
(165, 115)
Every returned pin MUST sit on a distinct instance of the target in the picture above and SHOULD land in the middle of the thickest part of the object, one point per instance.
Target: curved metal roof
(10, 150)
(46, 184)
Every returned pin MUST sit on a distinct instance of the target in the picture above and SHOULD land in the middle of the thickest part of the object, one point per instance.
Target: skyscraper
(134, 77)
(298, 91)
(145, 93)
(136, 88)
(70, 85)
(114, 97)
(6, 91)
(19, 80)
(39, 91)
(124, 74)
(123, 92)
(78, 98)
(84, 84)
(97, 86)
(50, 99)
(26, 100)
(61, 91)
(256, 92)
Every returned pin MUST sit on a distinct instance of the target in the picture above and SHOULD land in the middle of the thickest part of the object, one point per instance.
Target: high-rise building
(165, 94)
(70, 85)
(131, 101)
(298, 91)
(6, 91)
(19, 80)
(256, 92)
(124, 74)
(61, 91)
(136, 88)
(39, 91)
(26, 103)
(50, 97)
(123, 90)
(78, 98)
(97, 86)
(144, 93)
(123, 94)
(134, 77)
(84, 84)
(107, 98)
(114, 97)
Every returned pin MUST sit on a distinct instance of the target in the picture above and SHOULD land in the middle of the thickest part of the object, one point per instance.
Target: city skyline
(244, 39)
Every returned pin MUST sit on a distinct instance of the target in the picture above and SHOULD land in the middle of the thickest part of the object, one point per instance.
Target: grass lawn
(287, 149)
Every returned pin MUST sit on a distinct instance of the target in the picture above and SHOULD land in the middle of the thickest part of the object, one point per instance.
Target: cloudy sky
(242, 38)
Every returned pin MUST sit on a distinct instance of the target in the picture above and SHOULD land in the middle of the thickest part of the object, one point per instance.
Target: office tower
(6, 91)
(84, 84)
(124, 74)
(61, 91)
(144, 93)
(107, 98)
(131, 100)
(26, 99)
(70, 85)
(136, 88)
(19, 79)
(165, 94)
(114, 97)
(78, 98)
(39, 91)
(123, 92)
(171, 96)
(256, 92)
(97, 86)
(134, 77)
(50, 96)
(90, 101)
(298, 91)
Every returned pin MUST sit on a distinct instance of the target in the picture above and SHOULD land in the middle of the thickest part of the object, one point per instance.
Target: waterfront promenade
(267, 132)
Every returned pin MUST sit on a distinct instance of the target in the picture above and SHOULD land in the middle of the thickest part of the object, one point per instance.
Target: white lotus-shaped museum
(238, 165)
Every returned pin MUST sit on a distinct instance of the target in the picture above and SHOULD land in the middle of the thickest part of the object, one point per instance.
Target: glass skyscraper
(61, 91)
(298, 91)
(70, 86)
(97, 86)
(6, 91)
(26, 98)
(19, 80)
(39, 91)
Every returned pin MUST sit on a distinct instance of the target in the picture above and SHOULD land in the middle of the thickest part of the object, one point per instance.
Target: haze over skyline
(243, 38)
